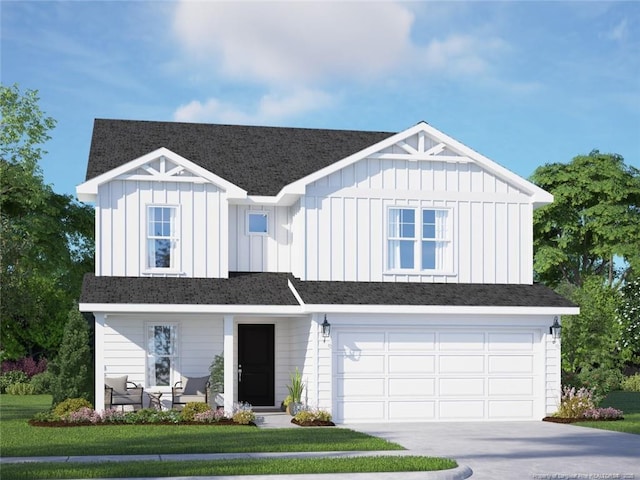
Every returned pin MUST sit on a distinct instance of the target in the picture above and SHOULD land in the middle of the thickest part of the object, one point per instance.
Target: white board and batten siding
(121, 227)
(260, 253)
(442, 371)
(345, 216)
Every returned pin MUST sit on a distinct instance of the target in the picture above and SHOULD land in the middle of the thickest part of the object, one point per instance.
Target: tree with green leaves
(46, 239)
(628, 318)
(593, 226)
(72, 369)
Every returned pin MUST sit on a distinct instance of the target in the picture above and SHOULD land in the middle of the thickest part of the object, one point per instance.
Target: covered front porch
(156, 350)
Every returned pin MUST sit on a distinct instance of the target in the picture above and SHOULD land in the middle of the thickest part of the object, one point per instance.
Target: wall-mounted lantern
(555, 329)
(326, 329)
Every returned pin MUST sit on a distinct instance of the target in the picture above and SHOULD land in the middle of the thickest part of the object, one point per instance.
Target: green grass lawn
(18, 438)
(629, 403)
(225, 467)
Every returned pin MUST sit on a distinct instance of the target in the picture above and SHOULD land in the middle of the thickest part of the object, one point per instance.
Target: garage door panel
(411, 387)
(510, 386)
(511, 341)
(501, 409)
(361, 364)
(461, 387)
(511, 364)
(412, 410)
(411, 364)
(461, 364)
(462, 341)
(412, 341)
(361, 387)
(354, 342)
(461, 409)
(362, 411)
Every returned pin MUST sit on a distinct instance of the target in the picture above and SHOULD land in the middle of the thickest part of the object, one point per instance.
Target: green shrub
(42, 383)
(601, 380)
(69, 405)
(72, 367)
(190, 409)
(12, 377)
(20, 389)
(632, 383)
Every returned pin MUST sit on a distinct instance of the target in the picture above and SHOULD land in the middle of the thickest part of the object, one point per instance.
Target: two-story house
(394, 270)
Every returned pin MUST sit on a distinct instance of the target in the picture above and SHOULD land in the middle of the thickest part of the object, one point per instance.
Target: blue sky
(524, 83)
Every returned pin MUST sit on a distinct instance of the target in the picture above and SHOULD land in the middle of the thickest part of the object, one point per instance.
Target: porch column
(99, 361)
(229, 380)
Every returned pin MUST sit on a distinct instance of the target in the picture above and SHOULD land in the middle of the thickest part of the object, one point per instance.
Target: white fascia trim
(442, 309)
(88, 191)
(295, 293)
(539, 197)
(173, 308)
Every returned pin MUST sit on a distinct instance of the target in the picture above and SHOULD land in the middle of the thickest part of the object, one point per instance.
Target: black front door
(256, 364)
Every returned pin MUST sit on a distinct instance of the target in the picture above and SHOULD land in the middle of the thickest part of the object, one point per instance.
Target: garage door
(419, 374)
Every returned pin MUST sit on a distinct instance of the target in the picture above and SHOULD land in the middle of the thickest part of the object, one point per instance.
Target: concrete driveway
(521, 450)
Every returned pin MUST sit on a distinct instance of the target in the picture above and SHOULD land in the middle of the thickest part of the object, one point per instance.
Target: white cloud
(293, 42)
(619, 32)
(269, 110)
(304, 43)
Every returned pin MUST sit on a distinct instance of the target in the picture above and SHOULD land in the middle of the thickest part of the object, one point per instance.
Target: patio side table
(154, 400)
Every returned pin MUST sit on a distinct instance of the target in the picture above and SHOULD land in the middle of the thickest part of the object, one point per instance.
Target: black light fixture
(326, 329)
(555, 329)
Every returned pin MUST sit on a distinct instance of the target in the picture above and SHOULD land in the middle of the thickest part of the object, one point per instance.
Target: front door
(256, 364)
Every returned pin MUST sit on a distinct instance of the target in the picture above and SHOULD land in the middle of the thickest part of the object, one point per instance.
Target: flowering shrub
(84, 415)
(210, 416)
(574, 403)
(243, 413)
(190, 410)
(27, 365)
(311, 415)
(608, 413)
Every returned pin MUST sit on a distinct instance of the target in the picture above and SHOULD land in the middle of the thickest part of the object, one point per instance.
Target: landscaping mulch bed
(221, 423)
(576, 420)
(314, 423)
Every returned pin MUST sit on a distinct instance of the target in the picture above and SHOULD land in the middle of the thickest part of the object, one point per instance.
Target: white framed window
(257, 223)
(162, 354)
(419, 239)
(162, 239)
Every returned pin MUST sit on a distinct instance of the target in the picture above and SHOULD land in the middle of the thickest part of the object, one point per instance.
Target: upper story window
(257, 223)
(162, 354)
(419, 239)
(162, 237)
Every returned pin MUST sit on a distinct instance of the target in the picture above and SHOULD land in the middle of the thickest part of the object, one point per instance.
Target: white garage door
(419, 374)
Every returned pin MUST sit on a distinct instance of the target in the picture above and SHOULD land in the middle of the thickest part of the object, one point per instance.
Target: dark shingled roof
(238, 289)
(260, 160)
(272, 289)
(402, 293)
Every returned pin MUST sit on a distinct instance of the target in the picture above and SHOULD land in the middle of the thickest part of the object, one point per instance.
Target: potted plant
(295, 387)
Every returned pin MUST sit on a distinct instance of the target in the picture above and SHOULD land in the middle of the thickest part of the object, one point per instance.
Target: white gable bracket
(88, 191)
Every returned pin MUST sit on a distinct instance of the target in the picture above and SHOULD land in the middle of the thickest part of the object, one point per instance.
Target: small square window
(257, 223)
